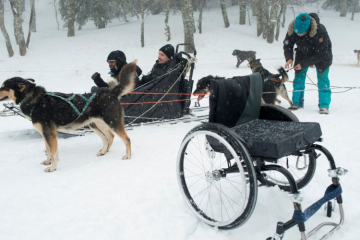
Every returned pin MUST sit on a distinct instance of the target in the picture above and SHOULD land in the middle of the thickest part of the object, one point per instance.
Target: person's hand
(289, 63)
(95, 76)
(298, 67)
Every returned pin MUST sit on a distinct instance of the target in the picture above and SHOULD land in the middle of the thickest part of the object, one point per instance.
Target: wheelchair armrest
(277, 113)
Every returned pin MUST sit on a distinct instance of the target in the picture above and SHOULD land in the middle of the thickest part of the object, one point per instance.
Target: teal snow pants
(323, 85)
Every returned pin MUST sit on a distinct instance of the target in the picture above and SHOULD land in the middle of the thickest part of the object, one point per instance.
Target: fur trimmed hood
(312, 31)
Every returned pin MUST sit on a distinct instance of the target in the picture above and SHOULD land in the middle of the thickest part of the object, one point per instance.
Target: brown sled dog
(274, 85)
(271, 88)
(49, 112)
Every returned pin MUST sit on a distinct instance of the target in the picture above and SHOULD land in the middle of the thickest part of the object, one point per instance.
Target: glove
(95, 76)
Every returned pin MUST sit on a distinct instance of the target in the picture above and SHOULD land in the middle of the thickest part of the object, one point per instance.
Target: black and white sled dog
(274, 86)
(49, 112)
(243, 55)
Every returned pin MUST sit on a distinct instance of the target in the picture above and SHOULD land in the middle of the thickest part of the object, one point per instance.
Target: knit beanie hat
(117, 56)
(302, 23)
(168, 50)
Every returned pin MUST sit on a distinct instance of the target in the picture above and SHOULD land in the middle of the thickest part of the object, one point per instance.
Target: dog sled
(164, 100)
(246, 144)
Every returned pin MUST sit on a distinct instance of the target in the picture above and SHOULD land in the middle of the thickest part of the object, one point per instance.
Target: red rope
(180, 100)
(154, 93)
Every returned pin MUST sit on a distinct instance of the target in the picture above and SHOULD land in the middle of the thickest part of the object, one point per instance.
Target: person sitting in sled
(164, 64)
(116, 61)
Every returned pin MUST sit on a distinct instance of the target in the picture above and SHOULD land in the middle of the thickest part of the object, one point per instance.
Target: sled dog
(242, 56)
(49, 112)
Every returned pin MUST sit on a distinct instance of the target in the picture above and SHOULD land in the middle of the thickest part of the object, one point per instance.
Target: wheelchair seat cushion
(276, 139)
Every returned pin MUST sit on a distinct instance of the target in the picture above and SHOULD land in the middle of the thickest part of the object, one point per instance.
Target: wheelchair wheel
(219, 184)
(301, 167)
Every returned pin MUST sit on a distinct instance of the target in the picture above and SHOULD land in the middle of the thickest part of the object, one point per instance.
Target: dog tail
(283, 74)
(126, 80)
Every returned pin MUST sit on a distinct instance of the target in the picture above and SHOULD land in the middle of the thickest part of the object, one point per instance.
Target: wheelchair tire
(220, 187)
(302, 168)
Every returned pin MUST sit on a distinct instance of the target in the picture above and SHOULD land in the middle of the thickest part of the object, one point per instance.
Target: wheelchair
(246, 144)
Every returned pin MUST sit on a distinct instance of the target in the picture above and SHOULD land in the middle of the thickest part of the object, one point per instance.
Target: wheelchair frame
(212, 166)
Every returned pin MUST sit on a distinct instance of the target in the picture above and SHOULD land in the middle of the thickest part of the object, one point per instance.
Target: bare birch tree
(242, 9)
(71, 18)
(57, 21)
(4, 32)
(283, 4)
(16, 6)
(188, 24)
(224, 13)
(283, 11)
(167, 27)
(33, 16)
(265, 17)
(259, 23)
(353, 8)
(343, 8)
(273, 20)
(142, 23)
(201, 6)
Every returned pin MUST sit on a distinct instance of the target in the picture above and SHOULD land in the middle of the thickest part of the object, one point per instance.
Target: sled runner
(220, 163)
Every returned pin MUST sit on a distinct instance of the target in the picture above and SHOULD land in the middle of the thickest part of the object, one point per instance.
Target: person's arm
(288, 47)
(98, 80)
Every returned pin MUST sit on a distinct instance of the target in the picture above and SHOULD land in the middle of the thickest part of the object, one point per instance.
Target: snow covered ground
(91, 197)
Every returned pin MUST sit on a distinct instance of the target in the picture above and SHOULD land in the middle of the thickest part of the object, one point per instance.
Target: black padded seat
(276, 139)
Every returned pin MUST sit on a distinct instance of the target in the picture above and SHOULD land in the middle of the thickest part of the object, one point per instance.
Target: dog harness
(68, 100)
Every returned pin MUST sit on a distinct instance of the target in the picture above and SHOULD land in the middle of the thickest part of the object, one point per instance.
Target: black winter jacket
(313, 48)
(115, 73)
(158, 70)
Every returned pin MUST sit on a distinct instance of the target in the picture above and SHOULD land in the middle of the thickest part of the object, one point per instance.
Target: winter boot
(323, 110)
(294, 108)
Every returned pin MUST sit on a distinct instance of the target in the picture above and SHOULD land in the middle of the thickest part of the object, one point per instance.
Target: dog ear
(30, 79)
(22, 87)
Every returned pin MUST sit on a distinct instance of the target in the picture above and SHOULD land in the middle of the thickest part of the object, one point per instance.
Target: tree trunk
(355, 4)
(57, 21)
(343, 8)
(142, 24)
(4, 32)
(201, 6)
(33, 23)
(188, 24)
(259, 23)
(224, 13)
(19, 34)
(191, 16)
(32, 15)
(71, 17)
(283, 10)
(167, 27)
(242, 7)
(274, 19)
(265, 17)
(281, 13)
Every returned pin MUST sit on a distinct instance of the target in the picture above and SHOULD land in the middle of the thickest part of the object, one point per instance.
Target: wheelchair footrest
(331, 192)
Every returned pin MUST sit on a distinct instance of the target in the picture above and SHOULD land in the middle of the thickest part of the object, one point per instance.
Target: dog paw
(46, 162)
(101, 153)
(50, 169)
(126, 157)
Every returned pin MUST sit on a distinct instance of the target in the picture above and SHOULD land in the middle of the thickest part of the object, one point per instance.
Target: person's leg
(324, 88)
(299, 87)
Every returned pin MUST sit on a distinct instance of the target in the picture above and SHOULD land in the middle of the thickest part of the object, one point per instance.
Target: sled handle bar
(186, 44)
